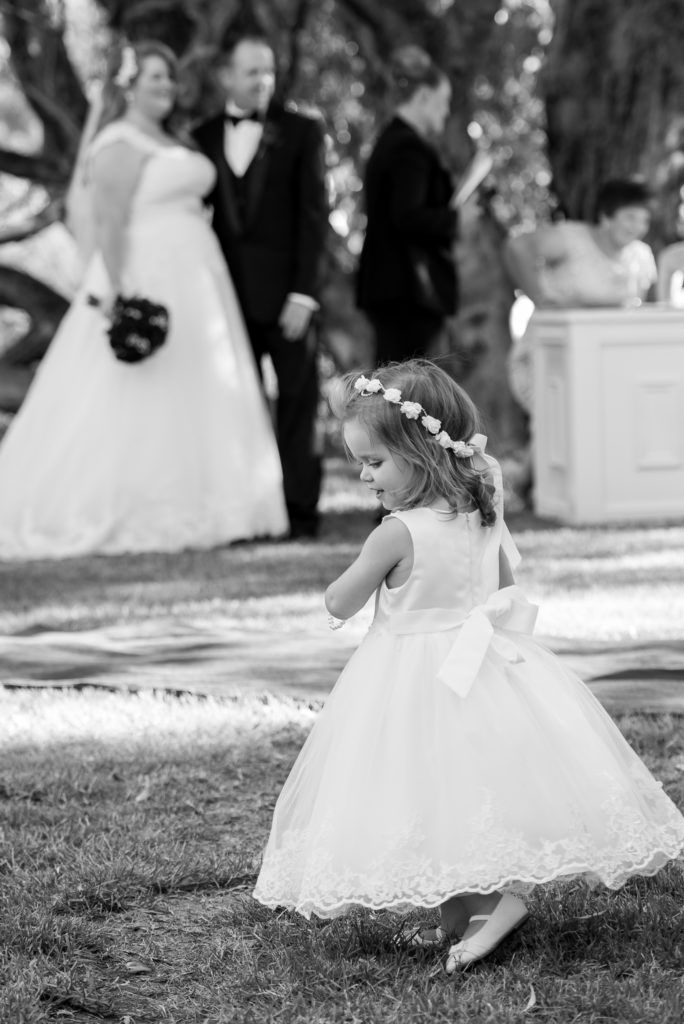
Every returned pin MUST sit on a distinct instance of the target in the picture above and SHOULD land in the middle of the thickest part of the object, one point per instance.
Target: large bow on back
(506, 609)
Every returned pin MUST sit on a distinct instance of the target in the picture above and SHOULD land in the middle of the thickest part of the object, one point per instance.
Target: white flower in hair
(412, 410)
(128, 68)
(431, 424)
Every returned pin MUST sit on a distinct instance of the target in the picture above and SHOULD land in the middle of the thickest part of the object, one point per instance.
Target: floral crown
(413, 410)
(128, 68)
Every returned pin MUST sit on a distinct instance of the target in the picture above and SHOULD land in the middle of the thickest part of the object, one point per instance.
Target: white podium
(608, 420)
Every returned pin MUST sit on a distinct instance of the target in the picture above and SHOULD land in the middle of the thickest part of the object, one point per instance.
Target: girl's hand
(387, 545)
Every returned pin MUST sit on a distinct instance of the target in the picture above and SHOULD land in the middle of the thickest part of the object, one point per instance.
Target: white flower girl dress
(455, 754)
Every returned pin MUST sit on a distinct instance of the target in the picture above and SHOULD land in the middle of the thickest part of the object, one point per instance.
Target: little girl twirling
(456, 760)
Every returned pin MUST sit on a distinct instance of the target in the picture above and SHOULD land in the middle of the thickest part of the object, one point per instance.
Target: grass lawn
(131, 823)
(131, 830)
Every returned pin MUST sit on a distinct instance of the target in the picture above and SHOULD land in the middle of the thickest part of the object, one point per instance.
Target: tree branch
(21, 290)
(49, 110)
(50, 213)
(41, 63)
(300, 20)
(370, 13)
(41, 169)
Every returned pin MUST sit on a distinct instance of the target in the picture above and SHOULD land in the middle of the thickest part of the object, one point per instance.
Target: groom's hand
(294, 319)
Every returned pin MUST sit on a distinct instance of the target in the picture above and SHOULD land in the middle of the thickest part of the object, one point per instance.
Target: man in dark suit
(270, 217)
(407, 282)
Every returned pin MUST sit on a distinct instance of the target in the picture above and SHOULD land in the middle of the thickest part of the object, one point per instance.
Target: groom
(270, 217)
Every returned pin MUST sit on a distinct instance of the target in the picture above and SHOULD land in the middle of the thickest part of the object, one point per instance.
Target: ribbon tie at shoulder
(506, 609)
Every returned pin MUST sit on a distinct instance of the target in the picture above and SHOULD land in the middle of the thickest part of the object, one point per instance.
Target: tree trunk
(19, 290)
(612, 83)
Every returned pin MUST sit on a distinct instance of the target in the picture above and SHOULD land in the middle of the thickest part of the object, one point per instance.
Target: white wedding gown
(175, 451)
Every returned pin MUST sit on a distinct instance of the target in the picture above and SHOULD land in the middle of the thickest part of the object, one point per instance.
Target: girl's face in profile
(387, 475)
(154, 90)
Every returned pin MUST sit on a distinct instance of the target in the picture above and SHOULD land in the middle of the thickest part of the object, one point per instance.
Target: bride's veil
(79, 215)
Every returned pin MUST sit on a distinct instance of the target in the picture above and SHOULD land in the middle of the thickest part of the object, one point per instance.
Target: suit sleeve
(312, 221)
(408, 210)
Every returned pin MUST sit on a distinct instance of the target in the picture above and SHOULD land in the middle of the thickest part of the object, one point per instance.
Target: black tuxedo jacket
(407, 257)
(272, 223)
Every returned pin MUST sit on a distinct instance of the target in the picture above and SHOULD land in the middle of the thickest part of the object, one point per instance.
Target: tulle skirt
(405, 794)
(172, 452)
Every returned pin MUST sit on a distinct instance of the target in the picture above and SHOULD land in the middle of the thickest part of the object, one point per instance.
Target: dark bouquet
(138, 327)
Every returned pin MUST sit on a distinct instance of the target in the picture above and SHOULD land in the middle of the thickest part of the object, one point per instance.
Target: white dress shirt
(240, 141)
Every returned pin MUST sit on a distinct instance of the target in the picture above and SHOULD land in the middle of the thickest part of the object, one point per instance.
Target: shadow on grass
(134, 826)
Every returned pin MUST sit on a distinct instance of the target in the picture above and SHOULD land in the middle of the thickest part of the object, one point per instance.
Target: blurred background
(562, 94)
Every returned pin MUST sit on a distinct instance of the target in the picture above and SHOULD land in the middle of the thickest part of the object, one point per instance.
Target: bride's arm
(114, 173)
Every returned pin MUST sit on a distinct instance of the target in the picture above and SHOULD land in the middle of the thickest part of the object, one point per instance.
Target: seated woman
(571, 263)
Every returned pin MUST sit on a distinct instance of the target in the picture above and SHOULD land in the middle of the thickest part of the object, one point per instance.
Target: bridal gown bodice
(172, 452)
(168, 218)
(173, 183)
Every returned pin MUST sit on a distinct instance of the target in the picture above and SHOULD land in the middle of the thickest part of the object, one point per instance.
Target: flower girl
(456, 761)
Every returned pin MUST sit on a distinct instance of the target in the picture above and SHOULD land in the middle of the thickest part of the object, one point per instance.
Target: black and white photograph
(341, 511)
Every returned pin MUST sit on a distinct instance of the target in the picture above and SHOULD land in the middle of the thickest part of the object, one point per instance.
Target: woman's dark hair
(411, 67)
(114, 101)
(617, 193)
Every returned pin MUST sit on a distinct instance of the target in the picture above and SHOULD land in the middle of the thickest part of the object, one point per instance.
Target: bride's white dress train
(175, 451)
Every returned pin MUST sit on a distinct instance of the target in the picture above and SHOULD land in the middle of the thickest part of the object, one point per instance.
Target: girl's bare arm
(387, 545)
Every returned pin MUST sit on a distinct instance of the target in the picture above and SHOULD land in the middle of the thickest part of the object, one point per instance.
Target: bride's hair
(122, 72)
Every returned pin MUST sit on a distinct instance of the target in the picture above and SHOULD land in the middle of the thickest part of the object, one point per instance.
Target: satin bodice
(455, 564)
(174, 178)
(455, 568)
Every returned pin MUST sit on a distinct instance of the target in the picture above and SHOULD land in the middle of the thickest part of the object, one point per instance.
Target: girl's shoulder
(410, 516)
(421, 523)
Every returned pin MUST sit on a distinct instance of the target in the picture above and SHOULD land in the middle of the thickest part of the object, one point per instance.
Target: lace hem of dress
(333, 898)
(306, 872)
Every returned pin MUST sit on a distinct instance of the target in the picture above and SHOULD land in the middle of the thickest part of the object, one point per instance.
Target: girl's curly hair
(436, 470)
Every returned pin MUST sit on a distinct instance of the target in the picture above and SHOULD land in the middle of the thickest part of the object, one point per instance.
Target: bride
(171, 452)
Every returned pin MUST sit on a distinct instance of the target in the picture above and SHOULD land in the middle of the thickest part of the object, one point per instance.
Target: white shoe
(508, 915)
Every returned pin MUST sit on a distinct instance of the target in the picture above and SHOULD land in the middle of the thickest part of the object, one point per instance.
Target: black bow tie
(239, 118)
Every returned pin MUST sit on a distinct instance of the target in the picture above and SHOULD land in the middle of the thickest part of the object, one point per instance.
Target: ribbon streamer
(506, 609)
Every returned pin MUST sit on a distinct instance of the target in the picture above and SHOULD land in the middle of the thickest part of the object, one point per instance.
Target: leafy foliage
(613, 84)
